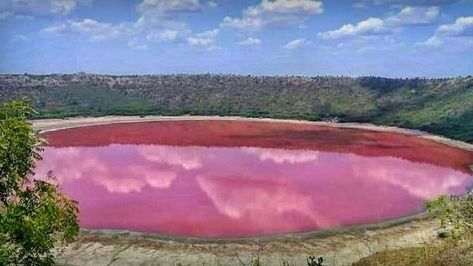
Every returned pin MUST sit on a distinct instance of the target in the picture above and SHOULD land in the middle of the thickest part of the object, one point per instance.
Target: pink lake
(223, 179)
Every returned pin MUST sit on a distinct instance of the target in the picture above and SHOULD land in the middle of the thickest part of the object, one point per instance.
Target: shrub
(455, 214)
(34, 216)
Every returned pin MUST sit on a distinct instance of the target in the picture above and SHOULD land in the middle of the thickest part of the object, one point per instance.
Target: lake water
(240, 179)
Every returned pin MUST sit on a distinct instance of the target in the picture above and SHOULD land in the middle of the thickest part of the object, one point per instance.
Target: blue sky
(393, 38)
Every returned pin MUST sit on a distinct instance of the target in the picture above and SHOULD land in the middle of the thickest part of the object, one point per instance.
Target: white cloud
(161, 7)
(278, 12)
(250, 41)
(290, 6)
(63, 6)
(295, 44)
(414, 16)
(55, 29)
(433, 41)
(153, 25)
(208, 34)
(195, 41)
(365, 27)
(94, 30)
(409, 15)
(41, 7)
(97, 31)
(159, 20)
(363, 3)
(212, 4)
(204, 39)
(245, 23)
(373, 45)
(461, 28)
(135, 44)
(166, 35)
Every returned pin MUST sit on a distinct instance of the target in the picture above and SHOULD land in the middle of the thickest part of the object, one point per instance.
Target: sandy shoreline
(339, 246)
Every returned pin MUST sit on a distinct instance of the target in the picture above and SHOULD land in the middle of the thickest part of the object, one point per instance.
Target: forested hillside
(442, 106)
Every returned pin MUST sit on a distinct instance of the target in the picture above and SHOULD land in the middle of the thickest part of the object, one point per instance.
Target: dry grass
(445, 253)
(456, 216)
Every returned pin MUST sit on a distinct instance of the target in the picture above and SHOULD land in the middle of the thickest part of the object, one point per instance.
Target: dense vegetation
(442, 106)
(34, 216)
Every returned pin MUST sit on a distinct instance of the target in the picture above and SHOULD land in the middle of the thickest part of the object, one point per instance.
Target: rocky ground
(336, 247)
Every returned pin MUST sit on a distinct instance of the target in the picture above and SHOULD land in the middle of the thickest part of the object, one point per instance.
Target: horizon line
(233, 74)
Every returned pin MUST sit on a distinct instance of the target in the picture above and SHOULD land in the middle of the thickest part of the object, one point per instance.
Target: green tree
(34, 216)
(455, 214)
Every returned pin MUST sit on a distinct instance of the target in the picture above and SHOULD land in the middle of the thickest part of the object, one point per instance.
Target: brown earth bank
(338, 247)
(343, 247)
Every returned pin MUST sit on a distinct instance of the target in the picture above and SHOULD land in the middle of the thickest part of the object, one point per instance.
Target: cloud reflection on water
(233, 188)
(284, 156)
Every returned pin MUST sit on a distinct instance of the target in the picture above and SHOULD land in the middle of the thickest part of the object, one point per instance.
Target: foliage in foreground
(34, 216)
(312, 261)
(456, 232)
(455, 214)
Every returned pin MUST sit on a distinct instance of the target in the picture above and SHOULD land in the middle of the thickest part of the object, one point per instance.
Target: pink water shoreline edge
(47, 125)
